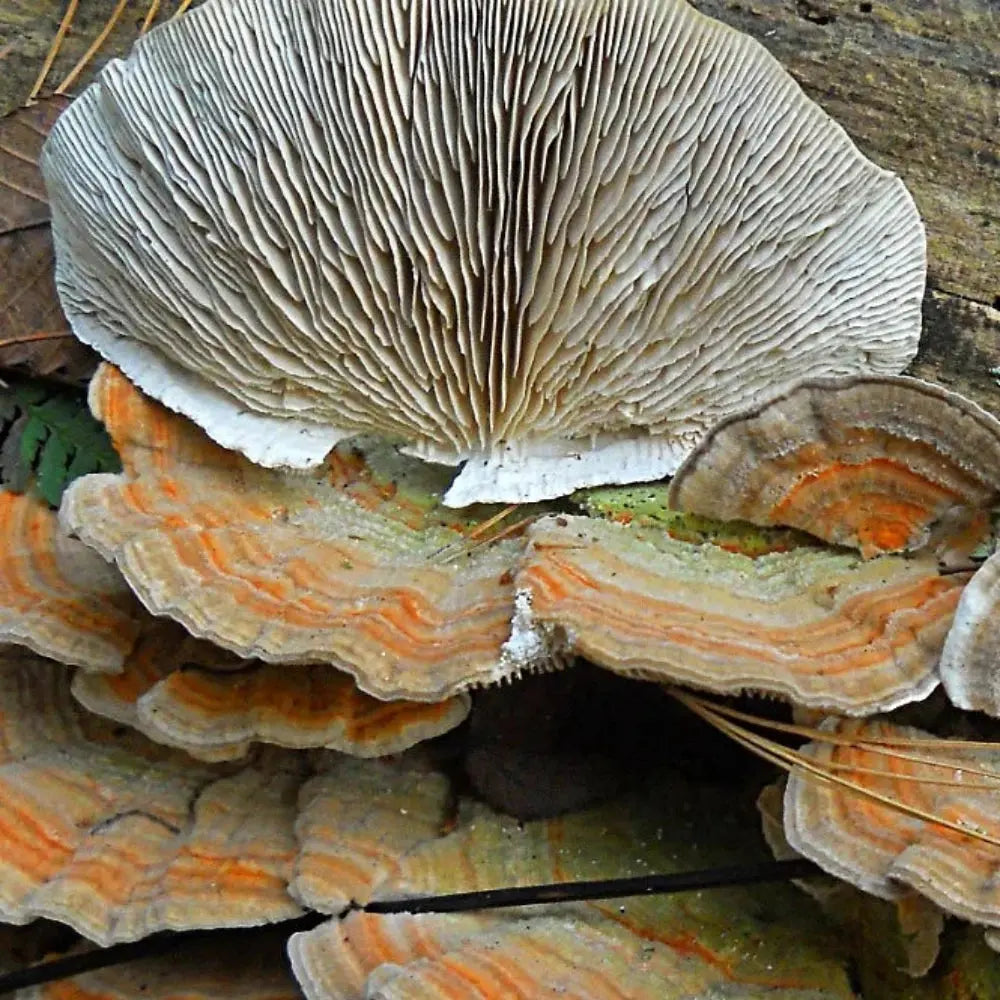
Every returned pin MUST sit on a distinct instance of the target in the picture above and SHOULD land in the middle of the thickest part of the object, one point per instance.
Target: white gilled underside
(554, 241)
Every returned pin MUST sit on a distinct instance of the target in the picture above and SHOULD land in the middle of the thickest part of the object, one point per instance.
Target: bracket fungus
(60, 598)
(57, 596)
(352, 566)
(119, 838)
(942, 840)
(822, 628)
(550, 242)
(191, 695)
(734, 944)
(879, 464)
(356, 820)
(970, 660)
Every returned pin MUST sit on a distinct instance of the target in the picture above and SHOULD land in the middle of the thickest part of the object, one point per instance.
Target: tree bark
(916, 84)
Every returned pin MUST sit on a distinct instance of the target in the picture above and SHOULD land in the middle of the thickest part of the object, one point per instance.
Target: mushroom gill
(551, 242)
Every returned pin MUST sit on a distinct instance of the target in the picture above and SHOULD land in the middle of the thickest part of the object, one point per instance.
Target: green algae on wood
(645, 505)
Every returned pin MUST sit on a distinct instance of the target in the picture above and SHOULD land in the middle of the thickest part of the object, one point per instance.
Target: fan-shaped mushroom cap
(57, 596)
(354, 566)
(556, 241)
(970, 660)
(119, 838)
(356, 820)
(880, 464)
(819, 627)
(882, 851)
(658, 947)
(191, 695)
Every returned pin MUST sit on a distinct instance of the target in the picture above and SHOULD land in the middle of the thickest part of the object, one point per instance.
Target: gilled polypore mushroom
(552, 242)
(880, 464)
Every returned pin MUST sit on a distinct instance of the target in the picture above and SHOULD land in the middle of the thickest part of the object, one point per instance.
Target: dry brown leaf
(34, 335)
(23, 202)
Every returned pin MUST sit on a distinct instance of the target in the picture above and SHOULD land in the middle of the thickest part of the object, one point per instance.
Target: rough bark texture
(916, 83)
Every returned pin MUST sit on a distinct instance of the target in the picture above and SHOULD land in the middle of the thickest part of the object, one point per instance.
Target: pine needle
(454, 547)
(792, 760)
(878, 745)
(54, 48)
(95, 45)
(154, 9)
(34, 338)
(507, 532)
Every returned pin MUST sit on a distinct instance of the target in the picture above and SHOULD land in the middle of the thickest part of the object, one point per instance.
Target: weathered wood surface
(916, 83)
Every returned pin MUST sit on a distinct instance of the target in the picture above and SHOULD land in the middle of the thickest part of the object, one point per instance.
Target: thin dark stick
(575, 892)
(150, 947)
(486, 899)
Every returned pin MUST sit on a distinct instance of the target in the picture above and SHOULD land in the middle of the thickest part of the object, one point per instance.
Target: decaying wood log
(916, 83)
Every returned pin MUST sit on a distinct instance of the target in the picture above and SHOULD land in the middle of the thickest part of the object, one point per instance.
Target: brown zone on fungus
(186, 693)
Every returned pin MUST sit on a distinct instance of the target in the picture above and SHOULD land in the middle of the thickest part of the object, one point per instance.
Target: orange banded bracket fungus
(60, 598)
(191, 695)
(550, 242)
(821, 627)
(879, 464)
(119, 838)
(57, 596)
(731, 944)
(941, 839)
(348, 566)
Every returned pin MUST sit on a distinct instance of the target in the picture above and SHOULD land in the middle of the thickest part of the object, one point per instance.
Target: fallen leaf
(34, 335)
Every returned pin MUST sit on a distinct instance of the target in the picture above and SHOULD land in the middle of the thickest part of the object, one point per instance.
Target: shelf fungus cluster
(910, 812)
(408, 311)
(320, 619)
